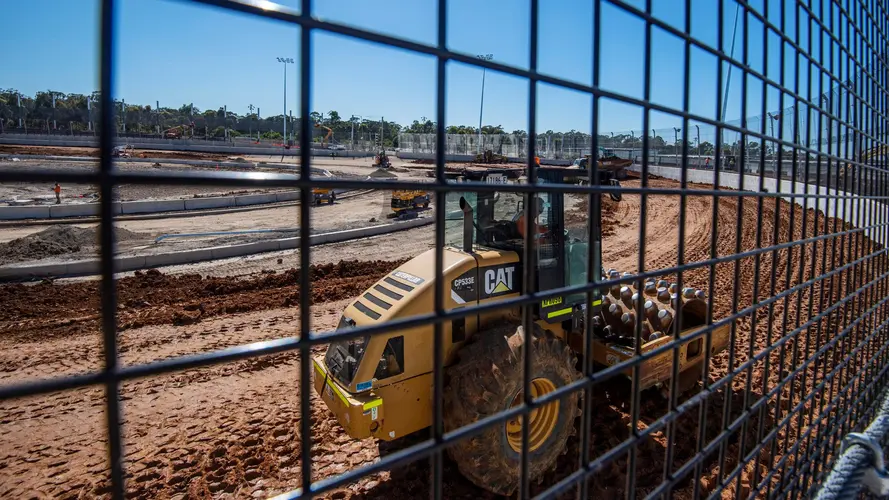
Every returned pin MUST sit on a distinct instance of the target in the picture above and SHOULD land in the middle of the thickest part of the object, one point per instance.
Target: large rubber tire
(485, 381)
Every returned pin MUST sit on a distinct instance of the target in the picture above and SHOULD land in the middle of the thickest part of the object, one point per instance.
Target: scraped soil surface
(232, 430)
(576, 214)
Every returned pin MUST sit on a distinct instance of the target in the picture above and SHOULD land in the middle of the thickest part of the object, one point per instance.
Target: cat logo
(499, 281)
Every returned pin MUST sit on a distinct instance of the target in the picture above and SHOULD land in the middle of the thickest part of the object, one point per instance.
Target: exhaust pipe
(467, 225)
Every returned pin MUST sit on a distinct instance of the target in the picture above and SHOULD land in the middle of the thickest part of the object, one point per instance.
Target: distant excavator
(178, 131)
(174, 132)
(489, 157)
(326, 139)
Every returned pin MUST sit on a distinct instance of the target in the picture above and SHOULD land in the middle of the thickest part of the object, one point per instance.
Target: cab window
(576, 238)
(392, 360)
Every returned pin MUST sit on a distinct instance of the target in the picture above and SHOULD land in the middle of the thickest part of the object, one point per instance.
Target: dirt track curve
(231, 431)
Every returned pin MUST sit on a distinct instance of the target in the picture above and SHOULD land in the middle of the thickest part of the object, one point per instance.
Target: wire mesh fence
(745, 337)
(792, 123)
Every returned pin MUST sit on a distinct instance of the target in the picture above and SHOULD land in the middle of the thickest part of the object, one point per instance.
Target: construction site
(232, 430)
(298, 251)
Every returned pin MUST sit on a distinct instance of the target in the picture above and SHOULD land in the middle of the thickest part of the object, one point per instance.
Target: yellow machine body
(388, 408)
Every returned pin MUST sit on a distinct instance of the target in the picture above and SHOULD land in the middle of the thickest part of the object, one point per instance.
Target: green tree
(752, 149)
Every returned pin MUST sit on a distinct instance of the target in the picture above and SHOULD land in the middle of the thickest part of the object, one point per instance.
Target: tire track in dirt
(36, 432)
(198, 433)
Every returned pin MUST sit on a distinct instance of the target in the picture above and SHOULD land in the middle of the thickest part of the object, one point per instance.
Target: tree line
(71, 113)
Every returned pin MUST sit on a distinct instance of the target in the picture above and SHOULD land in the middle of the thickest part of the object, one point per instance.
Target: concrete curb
(144, 207)
(133, 263)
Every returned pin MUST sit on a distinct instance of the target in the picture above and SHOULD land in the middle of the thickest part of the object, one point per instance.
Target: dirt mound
(381, 173)
(48, 150)
(56, 240)
(183, 155)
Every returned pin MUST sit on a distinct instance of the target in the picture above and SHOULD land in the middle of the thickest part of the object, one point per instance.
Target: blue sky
(175, 52)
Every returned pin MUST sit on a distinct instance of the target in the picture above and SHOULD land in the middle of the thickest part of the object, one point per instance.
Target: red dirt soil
(154, 298)
(232, 430)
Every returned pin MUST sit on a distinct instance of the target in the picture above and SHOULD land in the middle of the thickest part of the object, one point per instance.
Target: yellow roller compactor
(381, 386)
(408, 200)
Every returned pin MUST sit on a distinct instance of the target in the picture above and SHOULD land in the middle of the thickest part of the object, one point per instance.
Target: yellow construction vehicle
(326, 138)
(408, 200)
(489, 157)
(380, 386)
(381, 160)
(320, 195)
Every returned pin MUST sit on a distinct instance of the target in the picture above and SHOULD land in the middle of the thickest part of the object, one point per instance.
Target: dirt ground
(231, 431)
(352, 210)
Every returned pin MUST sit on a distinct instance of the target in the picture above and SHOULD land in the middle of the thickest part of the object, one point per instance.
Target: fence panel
(743, 338)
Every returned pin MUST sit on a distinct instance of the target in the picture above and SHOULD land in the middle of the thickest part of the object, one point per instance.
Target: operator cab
(495, 221)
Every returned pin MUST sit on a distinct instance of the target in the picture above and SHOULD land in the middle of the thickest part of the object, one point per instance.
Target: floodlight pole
(481, 109)
(251, 108)
(772, 118)
(699, 139)
(728, 79)
(285, 60)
